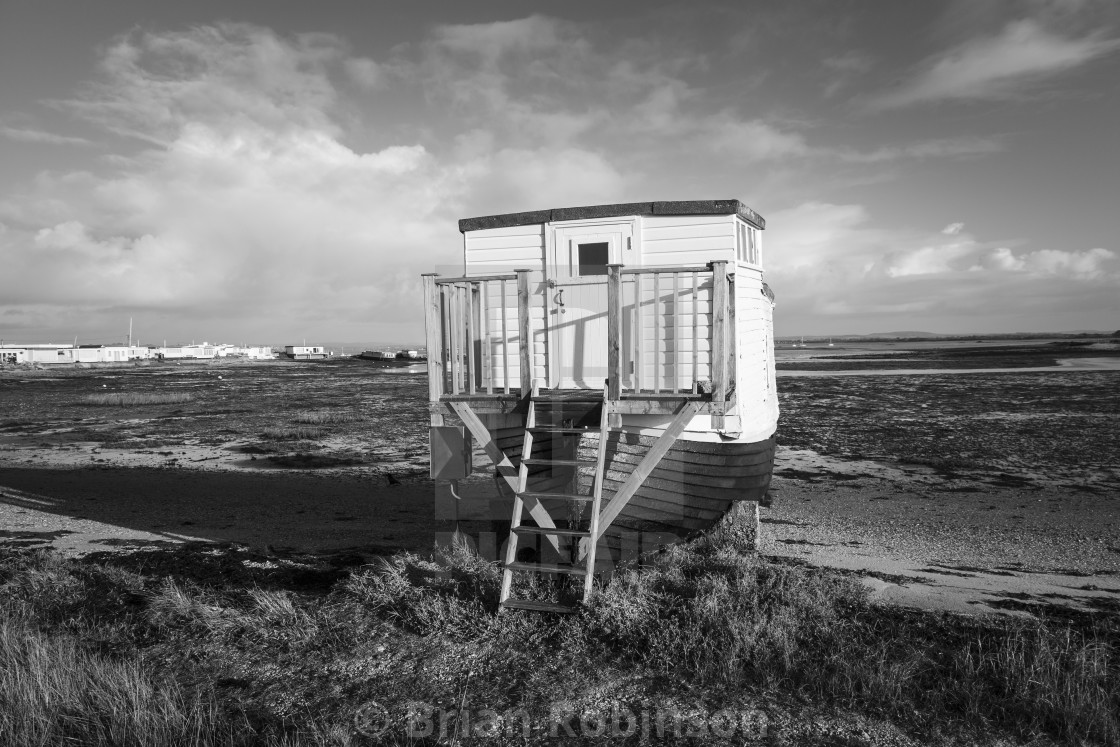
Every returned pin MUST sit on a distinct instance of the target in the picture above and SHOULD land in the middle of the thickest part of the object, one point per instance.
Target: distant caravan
(391, 359)
(305, 352)
(616, 363)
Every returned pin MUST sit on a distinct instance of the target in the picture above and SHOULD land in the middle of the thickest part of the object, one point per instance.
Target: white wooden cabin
(659, 311)
(666, 252)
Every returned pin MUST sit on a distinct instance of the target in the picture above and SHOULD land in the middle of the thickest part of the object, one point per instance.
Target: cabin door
(577, 302)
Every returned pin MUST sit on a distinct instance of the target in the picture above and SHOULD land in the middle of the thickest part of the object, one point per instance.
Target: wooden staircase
(576, 540)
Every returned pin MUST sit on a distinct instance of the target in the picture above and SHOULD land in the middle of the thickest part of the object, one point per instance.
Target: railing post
(720, 348)
(614, 332)
(433, 337)
(470, 295)
(524, 331)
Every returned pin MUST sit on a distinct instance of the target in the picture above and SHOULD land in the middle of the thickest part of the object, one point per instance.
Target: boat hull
(690, 490)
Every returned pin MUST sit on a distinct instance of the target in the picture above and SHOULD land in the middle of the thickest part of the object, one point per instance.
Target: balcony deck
(668, 341)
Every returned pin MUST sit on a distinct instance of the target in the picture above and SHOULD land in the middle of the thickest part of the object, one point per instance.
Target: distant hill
(902, 334)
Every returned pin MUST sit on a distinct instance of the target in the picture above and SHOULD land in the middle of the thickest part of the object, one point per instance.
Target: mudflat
(977, 491)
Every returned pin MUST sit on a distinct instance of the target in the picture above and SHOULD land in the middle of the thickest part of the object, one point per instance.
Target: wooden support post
(505, 467)
(720, 348)
(676, 332)
(638, 333)
(614, 345)
(505, 341)
(471, 297)
(487, 351)
(657, 332)
(659, 449)
(433, 336)
(695, 332)
(524, 331)
(614, 332)
(449, 305)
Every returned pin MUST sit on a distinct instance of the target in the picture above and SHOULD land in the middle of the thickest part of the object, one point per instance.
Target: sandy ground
(80, 510)
(962, 548)
(914, 540)
(970, 542)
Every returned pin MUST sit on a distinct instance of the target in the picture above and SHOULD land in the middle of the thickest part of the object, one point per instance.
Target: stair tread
(559, 462)
(556, 496)
(554, 530)
(549, 567)
(574, 398)
(564, 429)
(536, 606)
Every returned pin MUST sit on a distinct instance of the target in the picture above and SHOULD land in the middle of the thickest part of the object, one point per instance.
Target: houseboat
(616, 363)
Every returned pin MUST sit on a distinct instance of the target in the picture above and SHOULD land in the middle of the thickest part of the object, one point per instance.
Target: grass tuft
(54, 691)
(136, 399)
(292, 434)
(324, 417)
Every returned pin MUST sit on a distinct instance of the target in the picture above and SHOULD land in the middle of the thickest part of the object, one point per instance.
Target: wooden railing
(668, 330)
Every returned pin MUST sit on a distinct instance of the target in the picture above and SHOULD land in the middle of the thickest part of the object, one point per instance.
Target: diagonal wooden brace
(505, 467)
(659, 449)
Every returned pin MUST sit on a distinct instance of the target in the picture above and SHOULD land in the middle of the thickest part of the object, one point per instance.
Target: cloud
(25, 135)
(962, 147)
(1092, 264)
(751, 140)
(248, 208)
(364, 72)
(270, 181)
(952, 229)
(844, 68)
(997, 66)
(833, 268)
(220, 75)
(849, 62)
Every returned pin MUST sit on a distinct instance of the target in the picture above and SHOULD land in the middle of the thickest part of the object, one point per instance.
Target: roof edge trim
(616, 210)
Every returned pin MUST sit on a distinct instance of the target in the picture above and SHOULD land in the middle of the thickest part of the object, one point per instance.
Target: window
(748, 244)
(593, 258)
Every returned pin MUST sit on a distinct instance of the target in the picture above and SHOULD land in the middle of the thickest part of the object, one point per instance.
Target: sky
(267, 173)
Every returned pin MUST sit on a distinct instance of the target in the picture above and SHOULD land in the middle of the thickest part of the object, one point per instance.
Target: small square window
(593, 258)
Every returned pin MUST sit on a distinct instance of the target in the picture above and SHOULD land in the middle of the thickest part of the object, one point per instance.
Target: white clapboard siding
(502, 250)
(674, 240)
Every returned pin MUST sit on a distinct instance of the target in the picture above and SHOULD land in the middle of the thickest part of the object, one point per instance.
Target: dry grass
(235, 648)
(292, 434)
(55, 691)
(136, 399)
(325, 417)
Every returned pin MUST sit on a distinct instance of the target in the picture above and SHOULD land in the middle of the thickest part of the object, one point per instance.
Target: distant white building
(11, 355)
(35, 353)
(305, 352)
(204, 351)
(254, 352)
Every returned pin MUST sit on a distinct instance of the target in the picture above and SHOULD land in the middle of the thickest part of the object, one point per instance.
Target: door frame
(557, 236)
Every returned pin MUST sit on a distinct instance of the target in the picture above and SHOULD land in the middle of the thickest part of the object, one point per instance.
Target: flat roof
(679, 207)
